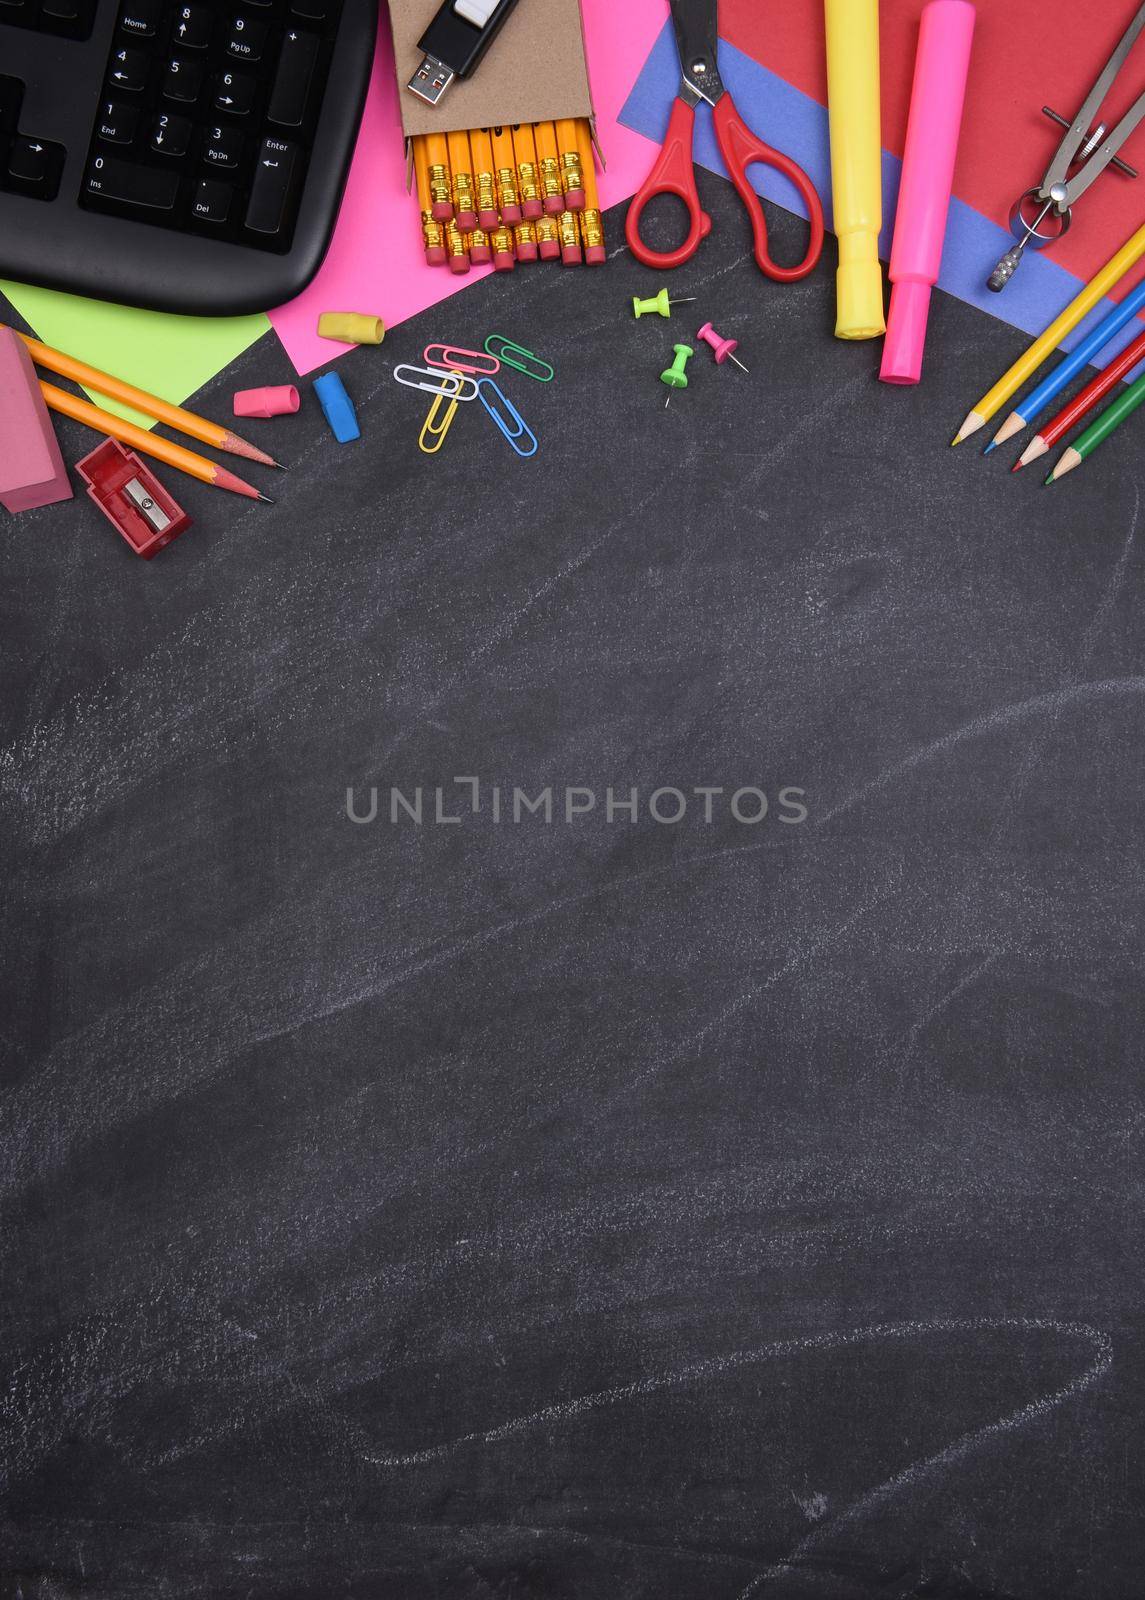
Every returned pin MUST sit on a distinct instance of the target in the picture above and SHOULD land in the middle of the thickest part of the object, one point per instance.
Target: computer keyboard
(187, 155)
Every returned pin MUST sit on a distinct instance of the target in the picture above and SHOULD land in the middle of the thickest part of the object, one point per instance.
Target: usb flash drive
(454, 43)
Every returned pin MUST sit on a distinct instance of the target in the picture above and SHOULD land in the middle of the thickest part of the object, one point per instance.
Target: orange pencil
(485, 184)
(455, 245)
(571, 252)
(572, 177)
(461, 163)
(525, 239)
(548, 238)
(480, 252)
(591, 226)
(528, 174)
(172, 455)
(150, 404)
(432, 234)
(502, 241)
(551, 192)
(440, 182)
(505, 166)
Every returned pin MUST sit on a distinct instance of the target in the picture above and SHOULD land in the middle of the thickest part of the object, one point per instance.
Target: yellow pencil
(440, 182)
(572, 178)
(505, 168)
(591, 226)
(1079, 307)
(528, 175)
(151, 444)
(551, 191)
(461, 167)
(432, 234)
(456, 248)
(484, 183)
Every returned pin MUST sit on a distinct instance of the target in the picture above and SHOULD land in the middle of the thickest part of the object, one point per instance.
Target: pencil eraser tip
(487, 220)
(351, 327)
(504, 260)
(526, 251)
(278, 401)
(441, 211)
(554, 204)
(459, 264)
(466, 221)
(337, 407)
(574, 200)
(32, 471)
(533, 209)
(594, 255)
(480, 254)
(435, 255)
(549, 249)
(571, 255)
(511, 214)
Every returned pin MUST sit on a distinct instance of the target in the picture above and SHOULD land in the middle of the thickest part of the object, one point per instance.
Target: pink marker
(940, 69)
(32, 471)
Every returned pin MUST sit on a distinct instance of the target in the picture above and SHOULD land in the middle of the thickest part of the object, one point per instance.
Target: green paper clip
(517, 357)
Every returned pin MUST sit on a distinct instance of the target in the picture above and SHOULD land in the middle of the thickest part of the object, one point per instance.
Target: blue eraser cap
(337, 407)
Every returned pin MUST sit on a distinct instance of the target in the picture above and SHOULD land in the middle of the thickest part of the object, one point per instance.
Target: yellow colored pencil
(440, 181)
(484, 182)
(591, 226)
(461, 166)
(1079, 308)
(551, 191)
(505, 167)
(528, 173)
(572, 178)
(432, 233)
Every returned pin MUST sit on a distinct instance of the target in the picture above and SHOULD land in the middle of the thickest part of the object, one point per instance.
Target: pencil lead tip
(989, 447)
(956, 440)
(1051, 478)
(1017, 467)
(265, 498)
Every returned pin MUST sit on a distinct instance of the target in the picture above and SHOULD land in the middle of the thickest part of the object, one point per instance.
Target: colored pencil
(173, 455)
(1097, 432)
(551, 192)
(528, 172)
(568, 148)
(150, 404)
(440, 181)
(484, 180)
(1079, 307)
(1066, 371)
(432, 233)
(1085, 400)
(461, 170)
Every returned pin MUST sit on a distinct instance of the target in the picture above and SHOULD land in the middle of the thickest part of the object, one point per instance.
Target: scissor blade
(695, 24)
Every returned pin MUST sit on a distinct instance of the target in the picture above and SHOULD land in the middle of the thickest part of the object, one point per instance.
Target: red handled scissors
(675, 173)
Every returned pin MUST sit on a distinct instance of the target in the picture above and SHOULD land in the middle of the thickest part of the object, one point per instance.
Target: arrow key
(234, 94)
(37, 164)
(192, 30)
(128, 69)
(171, 135)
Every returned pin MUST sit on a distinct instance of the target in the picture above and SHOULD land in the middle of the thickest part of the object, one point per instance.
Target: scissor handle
(672, 173)
(740, 147)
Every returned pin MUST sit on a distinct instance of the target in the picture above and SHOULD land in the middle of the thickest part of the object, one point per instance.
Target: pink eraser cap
(533, 209)
(488, 220)
(572, 255)
(466, 221)
(549, 249)
(459, 264)
(434, 255)
(594, 255)
(511, 214)
(32, 471)
(526, 250)
(480, 254)
(574, 200)
(441, 210)
(272, 402)
(554, 204)
(906, 332)
(504, 261)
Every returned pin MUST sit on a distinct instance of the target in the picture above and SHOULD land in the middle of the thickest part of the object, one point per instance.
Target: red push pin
(722, 348)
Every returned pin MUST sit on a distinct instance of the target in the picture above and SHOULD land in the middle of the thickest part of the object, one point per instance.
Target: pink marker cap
(273, 402)
(940, 70)
(32, 471)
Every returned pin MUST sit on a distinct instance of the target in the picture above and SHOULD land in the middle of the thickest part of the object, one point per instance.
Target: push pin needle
(675, 376)
(659, 303)
(721, 348)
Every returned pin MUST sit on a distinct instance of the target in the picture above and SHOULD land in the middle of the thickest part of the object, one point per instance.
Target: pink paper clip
(451, 356)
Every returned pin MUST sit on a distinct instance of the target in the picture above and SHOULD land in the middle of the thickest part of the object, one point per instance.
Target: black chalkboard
(582, 1209)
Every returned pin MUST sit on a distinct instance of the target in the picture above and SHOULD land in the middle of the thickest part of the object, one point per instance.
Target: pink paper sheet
(375, 261)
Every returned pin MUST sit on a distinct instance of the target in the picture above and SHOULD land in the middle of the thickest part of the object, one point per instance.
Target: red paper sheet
(1027, 54)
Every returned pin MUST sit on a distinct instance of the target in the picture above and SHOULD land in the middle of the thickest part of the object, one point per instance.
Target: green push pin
(659, 302)
(675, 376)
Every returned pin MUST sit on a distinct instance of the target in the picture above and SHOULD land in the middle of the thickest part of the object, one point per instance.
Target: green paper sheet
(167, 355)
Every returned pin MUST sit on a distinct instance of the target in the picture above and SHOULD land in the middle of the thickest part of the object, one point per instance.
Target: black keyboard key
(192, 30)
(140, 18)
(247, 39)
(62, 10)
(171, 135)
(312, 10)
(28, 161)
(11, 99)
(183, 79)
(109, 178)
(223, 148)
(292, 80)
(271, 187)
(212, 202)
(234, 94)
(117, 121)
(128, 69)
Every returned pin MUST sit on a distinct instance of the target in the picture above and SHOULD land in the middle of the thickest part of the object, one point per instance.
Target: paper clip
(431, 428)
(521, 431)
(450, 384)
(517, 357)
(450, 354)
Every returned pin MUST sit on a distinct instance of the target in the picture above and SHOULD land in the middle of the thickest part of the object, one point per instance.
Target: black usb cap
(454, 43)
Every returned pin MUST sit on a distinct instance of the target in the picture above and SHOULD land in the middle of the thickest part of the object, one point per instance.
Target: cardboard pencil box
(534, 71)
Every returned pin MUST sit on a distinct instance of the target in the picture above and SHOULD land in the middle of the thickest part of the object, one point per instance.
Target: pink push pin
(722, 348)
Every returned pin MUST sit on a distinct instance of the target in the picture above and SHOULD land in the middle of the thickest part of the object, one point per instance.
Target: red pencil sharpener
(131, 497)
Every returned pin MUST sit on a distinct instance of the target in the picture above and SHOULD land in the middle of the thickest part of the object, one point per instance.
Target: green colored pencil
(1098, 432)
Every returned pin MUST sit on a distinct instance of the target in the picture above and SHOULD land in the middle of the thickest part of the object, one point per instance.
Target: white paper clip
(450, 384)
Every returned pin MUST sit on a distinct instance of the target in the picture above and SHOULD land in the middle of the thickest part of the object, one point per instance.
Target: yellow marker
(351, 327)
(433, 236)
(461, 166)
(528, 173)
(551, 192)
(856, 164)
(591, 226)
(440, 184)
(505, 167)
(484, 183)
(572, 178)
(1079, 308)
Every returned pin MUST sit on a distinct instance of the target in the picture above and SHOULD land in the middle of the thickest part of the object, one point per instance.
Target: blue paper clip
(522, 429)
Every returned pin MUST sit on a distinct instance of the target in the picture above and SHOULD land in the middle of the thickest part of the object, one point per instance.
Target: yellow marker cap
(859, 288)
(351, 327)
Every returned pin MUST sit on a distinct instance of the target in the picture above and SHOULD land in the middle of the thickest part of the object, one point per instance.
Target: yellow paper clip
(431, 428)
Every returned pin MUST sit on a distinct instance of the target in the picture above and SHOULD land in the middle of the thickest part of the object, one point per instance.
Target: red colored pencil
(1083, 401)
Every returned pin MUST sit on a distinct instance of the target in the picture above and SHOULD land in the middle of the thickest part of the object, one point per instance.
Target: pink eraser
(504, 261)
(594, 255)
(940, 69)
(276, 401)
(555, 204)
(488, 220)
(526, 250)
(434, 255)
(32, 471)
(459, 264)
(532, 209)
(480, 254)
(511, 214)
(549, 249)
(574, 199)
(571, 255)
(441, 210)
(466, 221)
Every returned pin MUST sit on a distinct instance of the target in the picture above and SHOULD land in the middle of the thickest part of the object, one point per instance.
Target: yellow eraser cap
(859, 288)
(351, 327)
